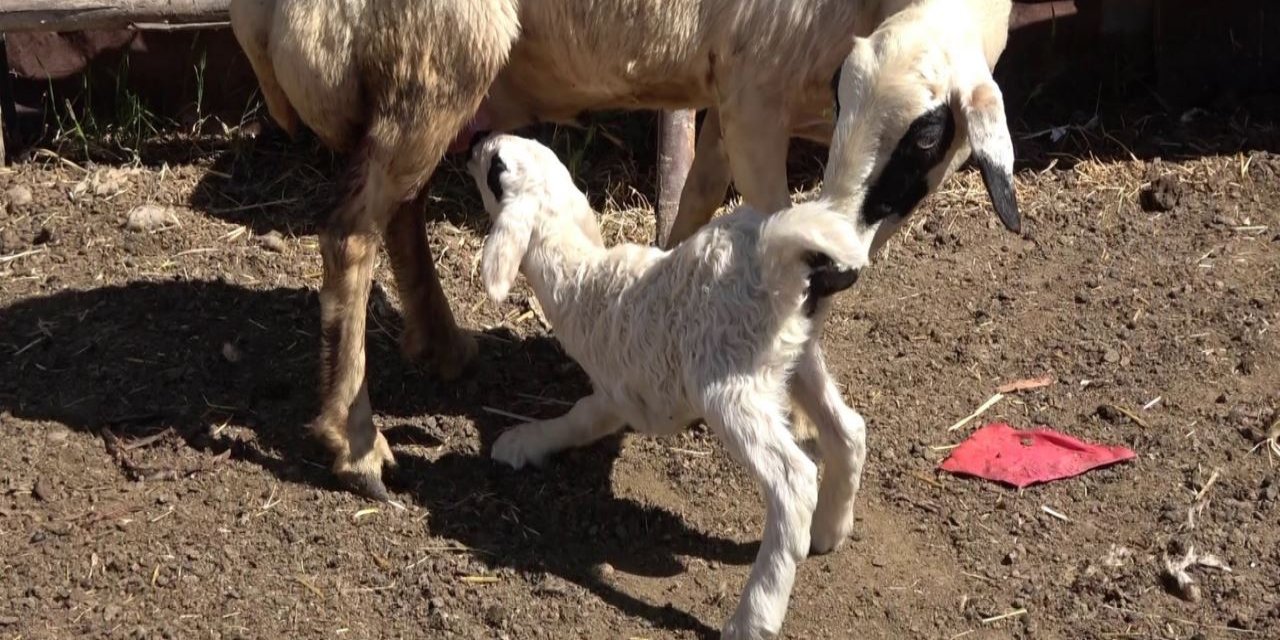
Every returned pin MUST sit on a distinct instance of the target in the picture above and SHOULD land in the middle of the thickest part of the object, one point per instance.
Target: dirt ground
(156, 482)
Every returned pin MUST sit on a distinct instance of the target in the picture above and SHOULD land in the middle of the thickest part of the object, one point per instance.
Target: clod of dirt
(1109, 413)
(9, 241)
(19, 196)
(1162, 195)
(149, 217)
(495, 615)
(272, 241)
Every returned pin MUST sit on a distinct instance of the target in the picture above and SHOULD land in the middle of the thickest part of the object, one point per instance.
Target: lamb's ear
(982, 107)
(504, 249)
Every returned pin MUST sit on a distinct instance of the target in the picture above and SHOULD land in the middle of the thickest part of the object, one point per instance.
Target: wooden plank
(77, 15)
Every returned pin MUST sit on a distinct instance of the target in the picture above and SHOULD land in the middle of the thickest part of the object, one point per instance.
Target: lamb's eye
(929, 137)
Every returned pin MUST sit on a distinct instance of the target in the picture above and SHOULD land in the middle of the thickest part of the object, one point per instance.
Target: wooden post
(676, 135)
(6, 95)
(78, 15)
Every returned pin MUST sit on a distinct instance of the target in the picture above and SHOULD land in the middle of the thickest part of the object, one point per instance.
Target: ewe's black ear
(496, 167)
(983, 110)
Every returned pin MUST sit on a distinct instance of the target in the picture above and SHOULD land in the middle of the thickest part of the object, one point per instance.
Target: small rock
(43, 491)
(605, 570)
(19, 196)
(149, 217)
(1111, 356)
(231, 352)
(272, 241)
(1272, 493)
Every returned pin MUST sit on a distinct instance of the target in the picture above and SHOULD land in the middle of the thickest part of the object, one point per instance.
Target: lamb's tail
(809, 252)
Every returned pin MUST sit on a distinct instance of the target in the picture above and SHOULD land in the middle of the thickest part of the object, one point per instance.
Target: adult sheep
(397, 83)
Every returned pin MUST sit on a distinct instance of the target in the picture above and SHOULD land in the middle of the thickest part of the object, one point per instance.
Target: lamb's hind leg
(842, 438)
(756, 434)
(591, 419)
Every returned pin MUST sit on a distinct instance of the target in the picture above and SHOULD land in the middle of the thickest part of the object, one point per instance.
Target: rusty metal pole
(676, 134)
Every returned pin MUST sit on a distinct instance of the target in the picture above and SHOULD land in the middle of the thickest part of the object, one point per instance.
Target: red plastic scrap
(1001, 453)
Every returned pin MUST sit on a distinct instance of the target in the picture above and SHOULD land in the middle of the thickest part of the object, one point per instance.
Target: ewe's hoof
(453, 360)
(368, 485)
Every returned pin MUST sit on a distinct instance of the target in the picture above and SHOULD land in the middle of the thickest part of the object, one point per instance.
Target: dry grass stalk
(981, 410)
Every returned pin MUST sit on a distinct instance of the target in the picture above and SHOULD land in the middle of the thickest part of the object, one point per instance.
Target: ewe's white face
(908, 114)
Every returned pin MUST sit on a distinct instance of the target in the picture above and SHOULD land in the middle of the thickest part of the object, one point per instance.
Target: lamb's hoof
(824, 540)
(519, 447)
(736, 630)
(823, 547)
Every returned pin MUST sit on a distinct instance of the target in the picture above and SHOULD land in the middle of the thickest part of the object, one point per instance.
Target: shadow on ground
(137, 359)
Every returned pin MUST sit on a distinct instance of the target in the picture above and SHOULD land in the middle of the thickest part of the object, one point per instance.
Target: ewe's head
(913, 100)
(526, 190)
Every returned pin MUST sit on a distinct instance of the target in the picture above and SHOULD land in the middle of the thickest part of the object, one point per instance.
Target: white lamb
(720, 328)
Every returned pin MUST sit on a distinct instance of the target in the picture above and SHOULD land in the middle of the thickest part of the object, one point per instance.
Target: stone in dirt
(19, 196)
(272, 241)
(149, 217)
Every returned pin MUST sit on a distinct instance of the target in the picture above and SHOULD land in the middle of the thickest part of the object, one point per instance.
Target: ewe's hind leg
(348, 246)
(589, 420)
(756, 434)
(842, 437)
(251, 22)
(706, 184)
(756, 138)
(430, 332)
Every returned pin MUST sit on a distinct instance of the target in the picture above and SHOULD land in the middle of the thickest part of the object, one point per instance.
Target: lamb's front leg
(589, 420)
(755, 431)
(842, 437)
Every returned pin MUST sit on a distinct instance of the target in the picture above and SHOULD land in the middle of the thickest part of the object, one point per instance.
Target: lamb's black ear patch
(496, 167)
(826, 279)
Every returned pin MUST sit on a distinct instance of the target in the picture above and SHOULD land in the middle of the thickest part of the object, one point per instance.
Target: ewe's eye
(929, 137)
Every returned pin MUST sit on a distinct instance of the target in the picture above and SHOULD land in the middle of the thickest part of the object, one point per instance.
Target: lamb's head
(528, 193)
(913, 100)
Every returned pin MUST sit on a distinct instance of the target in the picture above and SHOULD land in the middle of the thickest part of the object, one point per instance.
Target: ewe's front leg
(756, 434)
(842, 437)
(589, 420)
